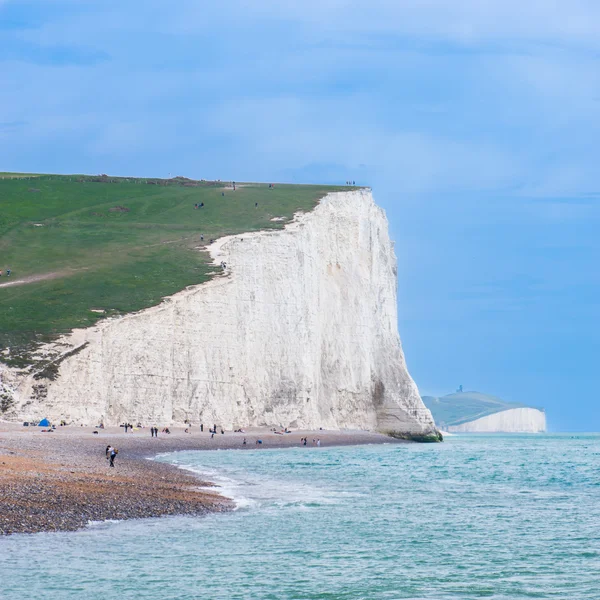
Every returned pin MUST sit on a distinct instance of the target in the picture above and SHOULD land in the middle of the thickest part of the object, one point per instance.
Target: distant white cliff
(515, 420)
(299, 330)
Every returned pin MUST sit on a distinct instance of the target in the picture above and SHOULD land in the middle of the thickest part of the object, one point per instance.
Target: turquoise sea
(502, 517)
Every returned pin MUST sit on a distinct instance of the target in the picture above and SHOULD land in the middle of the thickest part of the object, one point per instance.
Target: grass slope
(115, 244)
(463, 407)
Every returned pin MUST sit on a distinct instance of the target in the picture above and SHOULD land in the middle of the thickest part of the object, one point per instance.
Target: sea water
(501, 517)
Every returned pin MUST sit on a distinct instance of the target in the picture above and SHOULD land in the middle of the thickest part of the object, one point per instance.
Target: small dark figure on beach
(222, 431)
(126, 427)
(212, 435)
(113, 455)
(201, 427)
(244, 442)
(214, 428)
(256, 205)
(258, 442)
(108, 449)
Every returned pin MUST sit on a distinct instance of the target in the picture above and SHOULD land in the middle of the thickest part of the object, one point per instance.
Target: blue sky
(476, 123)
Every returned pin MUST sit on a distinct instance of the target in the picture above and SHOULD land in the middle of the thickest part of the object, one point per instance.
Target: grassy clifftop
(82, 248)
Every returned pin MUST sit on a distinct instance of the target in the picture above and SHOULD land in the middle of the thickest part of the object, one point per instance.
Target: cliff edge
(299, 329)
(514, 420)
(476, 412)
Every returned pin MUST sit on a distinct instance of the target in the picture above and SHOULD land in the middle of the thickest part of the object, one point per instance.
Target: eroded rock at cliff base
(299, 330)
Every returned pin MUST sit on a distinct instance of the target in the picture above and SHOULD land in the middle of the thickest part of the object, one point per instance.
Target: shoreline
(61, 481)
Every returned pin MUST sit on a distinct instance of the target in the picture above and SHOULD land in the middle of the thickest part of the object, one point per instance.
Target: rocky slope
(299, 330)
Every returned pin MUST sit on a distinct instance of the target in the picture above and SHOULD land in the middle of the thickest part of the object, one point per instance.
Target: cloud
(460, 21)
(11, 126)
(52, 55)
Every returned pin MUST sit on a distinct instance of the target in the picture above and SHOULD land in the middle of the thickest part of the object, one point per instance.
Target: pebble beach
(61, 480)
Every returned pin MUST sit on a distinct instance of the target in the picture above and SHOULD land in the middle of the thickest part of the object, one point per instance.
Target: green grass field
(115, 244)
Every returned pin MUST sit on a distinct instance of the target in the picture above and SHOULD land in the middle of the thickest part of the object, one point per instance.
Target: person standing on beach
(113, 454)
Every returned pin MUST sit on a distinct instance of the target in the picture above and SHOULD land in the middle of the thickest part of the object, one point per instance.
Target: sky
(476, 123)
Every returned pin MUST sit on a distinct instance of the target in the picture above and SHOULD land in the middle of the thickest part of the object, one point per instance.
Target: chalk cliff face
(300, 330)
(515, 420)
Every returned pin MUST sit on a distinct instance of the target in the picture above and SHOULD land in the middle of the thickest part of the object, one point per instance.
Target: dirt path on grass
(33, 278)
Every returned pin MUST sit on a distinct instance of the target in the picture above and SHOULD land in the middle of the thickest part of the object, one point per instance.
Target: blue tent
(44, 423)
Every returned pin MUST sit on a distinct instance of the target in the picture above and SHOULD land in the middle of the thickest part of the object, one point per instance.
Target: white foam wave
(252, 491)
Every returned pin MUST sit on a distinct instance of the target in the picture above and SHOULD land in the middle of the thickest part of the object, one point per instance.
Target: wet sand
(60, 481)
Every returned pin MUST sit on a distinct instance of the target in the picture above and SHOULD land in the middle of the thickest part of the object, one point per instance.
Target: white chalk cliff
(300, 330)
(514, 420)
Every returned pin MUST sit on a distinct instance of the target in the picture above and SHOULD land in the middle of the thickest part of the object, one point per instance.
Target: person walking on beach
(113, 454)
